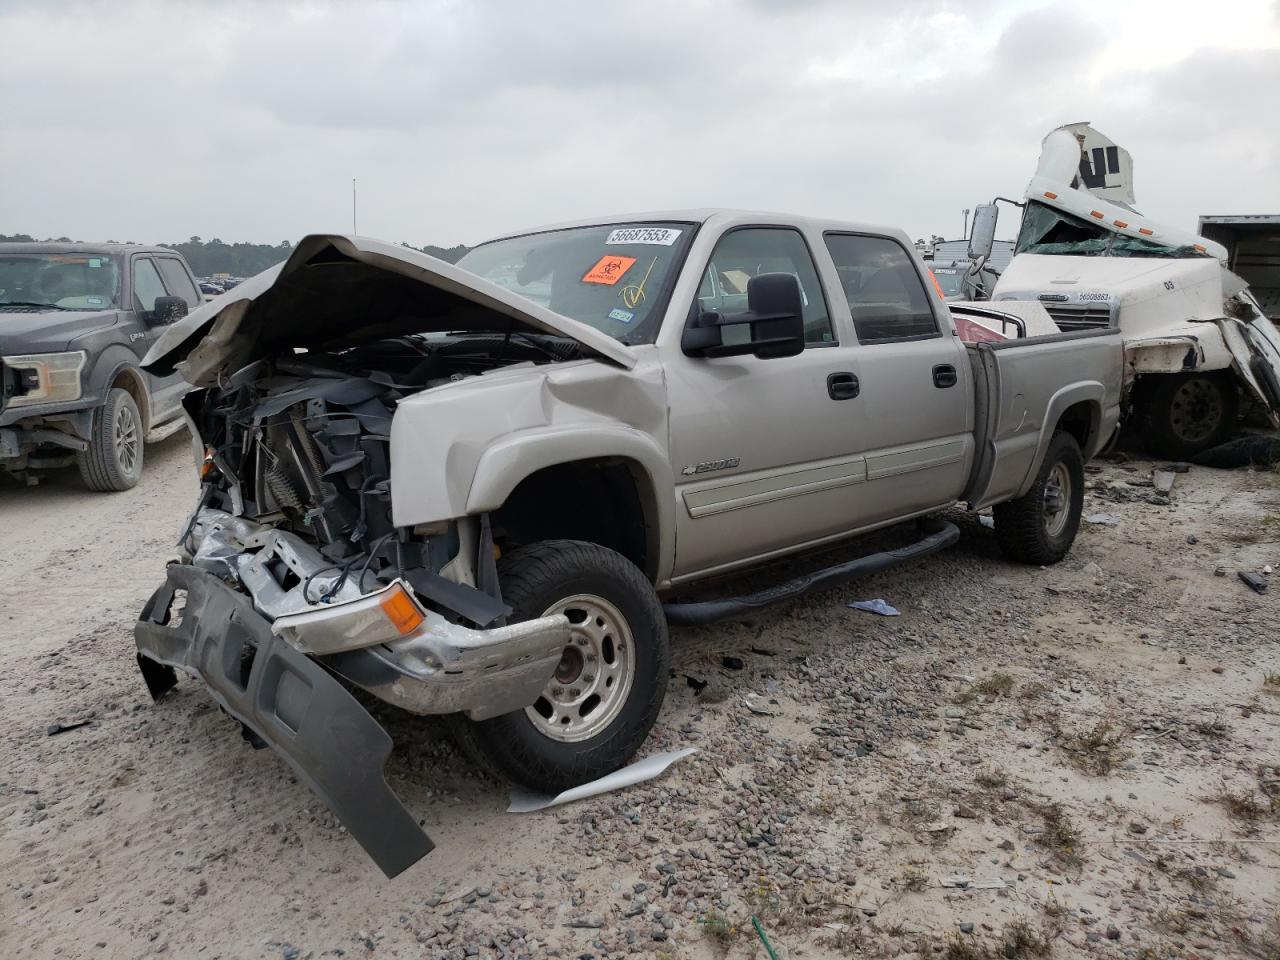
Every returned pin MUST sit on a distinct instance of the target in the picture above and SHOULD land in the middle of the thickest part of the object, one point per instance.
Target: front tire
(597, 709)
(113, 459)
(1040, 526)
(1185, 414)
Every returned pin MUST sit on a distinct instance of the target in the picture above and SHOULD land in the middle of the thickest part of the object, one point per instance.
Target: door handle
(842, 386)
(944, 375)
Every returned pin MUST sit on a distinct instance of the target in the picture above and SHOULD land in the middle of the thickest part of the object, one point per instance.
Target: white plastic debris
(638, 772)
(1103, 519)
(987, 521)
(876, 606)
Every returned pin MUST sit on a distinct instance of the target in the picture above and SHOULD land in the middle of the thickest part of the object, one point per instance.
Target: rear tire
(1040, 526)
(1186, 413)
(599, 707)
(113, 459)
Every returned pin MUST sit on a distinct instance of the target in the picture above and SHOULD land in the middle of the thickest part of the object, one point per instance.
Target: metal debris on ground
(638, 772)
(56, 728)
(876, 606)
(1253, 581)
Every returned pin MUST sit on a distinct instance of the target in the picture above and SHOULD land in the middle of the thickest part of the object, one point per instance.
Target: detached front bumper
(287, 699)
(239, 617)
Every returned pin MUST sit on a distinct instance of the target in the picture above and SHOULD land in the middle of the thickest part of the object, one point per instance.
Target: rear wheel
(604, 696)
(1040, 526)
(113, 458)
(1186, 413)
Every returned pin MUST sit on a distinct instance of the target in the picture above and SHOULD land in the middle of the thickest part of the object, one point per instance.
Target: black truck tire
(113, 459)
(1182, 414)
(605, 696)
(1040, 526)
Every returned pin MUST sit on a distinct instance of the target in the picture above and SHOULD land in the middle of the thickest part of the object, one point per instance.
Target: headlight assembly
(46, 377)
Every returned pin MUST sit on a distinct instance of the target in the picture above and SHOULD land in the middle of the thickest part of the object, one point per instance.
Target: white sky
(462, 119)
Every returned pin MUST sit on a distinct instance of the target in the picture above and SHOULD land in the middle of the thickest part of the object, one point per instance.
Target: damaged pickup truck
(463, 488)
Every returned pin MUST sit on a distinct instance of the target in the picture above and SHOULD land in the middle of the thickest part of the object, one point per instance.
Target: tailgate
(1022, 388)
(285, 698)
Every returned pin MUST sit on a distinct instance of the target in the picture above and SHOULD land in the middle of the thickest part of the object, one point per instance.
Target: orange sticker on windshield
(609, 270)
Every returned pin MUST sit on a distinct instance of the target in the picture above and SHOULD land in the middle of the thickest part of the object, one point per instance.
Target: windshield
(69, 281)
(614, 277)
(1046, 230)
(951, 281)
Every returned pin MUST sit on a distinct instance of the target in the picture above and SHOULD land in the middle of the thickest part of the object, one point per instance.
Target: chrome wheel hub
(1057, 500)
(593, 679)
(126, 440)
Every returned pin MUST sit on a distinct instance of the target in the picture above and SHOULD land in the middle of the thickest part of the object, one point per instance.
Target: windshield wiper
(29, 303)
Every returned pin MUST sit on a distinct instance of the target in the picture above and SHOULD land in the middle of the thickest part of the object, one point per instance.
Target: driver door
(764, 451)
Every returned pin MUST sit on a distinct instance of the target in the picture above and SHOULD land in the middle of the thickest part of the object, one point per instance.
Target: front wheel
(113, 458)
(1186, 413)
(604, 697)
(1040, 526)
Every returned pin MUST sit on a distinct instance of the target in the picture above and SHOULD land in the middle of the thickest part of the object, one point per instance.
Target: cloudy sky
(156, 121)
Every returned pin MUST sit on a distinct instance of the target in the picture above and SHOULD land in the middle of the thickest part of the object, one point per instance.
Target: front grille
(1079, 317)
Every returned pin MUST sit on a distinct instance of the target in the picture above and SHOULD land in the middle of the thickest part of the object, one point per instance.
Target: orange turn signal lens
(401, 610)
(1051, 195)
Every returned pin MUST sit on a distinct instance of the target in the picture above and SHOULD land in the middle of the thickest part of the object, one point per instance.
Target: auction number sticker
(663, 236)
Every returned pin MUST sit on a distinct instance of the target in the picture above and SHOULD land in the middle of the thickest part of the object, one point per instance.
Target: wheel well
(604, 501)
(1081, 420)
(130, 381)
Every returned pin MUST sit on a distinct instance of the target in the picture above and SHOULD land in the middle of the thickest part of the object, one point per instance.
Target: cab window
(146, 284)
(750, 251)
(177, 282)
(886, 296)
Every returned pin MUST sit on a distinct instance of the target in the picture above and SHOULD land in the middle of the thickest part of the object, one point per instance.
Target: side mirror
(775, 314)
(167, 310)
(983, 236)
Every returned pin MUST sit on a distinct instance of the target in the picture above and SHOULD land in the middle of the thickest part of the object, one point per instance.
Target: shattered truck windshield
(69, 281)
(614, 277)
(1046, 230)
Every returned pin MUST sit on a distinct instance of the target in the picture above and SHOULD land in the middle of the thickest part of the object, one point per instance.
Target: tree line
(209, 257)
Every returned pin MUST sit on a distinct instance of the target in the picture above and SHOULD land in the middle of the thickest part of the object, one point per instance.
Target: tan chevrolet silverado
(464, 488)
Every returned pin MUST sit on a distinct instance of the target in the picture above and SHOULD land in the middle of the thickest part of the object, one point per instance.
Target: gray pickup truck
(465, 488)
(75, 322)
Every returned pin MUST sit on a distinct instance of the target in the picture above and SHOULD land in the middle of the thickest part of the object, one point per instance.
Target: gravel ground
(1028, 762)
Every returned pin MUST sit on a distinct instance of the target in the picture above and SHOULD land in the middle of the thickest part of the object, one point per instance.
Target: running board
(940, 534)
(165, 430)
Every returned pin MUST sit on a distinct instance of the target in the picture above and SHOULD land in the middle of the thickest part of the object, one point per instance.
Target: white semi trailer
(1196, 340)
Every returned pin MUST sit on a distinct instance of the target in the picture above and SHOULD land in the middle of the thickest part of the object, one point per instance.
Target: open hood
(337, 290)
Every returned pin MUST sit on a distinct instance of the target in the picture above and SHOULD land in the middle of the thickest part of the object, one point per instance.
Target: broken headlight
(46, 377)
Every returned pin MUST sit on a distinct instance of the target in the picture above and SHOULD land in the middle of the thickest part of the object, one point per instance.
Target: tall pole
(353, 206)
(965, 235)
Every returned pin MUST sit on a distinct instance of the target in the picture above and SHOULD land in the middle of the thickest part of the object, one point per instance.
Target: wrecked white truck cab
(462, 488)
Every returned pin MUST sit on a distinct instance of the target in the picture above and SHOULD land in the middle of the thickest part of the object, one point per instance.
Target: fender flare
(107, 366)
(511, 459)
(1088, 391)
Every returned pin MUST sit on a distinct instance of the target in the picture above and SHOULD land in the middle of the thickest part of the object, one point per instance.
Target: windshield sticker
(663, 236)
(608, 270)
(622, 316)
(94, 263)
(633, 293)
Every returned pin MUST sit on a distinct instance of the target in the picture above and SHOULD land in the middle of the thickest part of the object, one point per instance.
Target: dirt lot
(1027, 762)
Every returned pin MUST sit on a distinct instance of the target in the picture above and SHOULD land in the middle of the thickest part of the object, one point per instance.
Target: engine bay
(300, 441)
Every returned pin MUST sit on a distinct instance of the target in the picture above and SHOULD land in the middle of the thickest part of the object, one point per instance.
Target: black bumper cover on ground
(287, 699)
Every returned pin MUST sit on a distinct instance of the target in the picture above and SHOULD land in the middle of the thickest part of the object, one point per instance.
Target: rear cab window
(886, 296)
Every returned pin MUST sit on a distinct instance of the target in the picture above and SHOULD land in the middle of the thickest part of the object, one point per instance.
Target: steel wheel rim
(1195, 410)
(126, 440)
(1057, 499)
(594, 676)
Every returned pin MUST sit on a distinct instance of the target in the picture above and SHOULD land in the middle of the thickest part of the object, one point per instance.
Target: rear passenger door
(917, 392)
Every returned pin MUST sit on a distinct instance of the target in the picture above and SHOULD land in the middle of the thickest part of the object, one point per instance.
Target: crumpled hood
(48, 331)
(337, 290)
